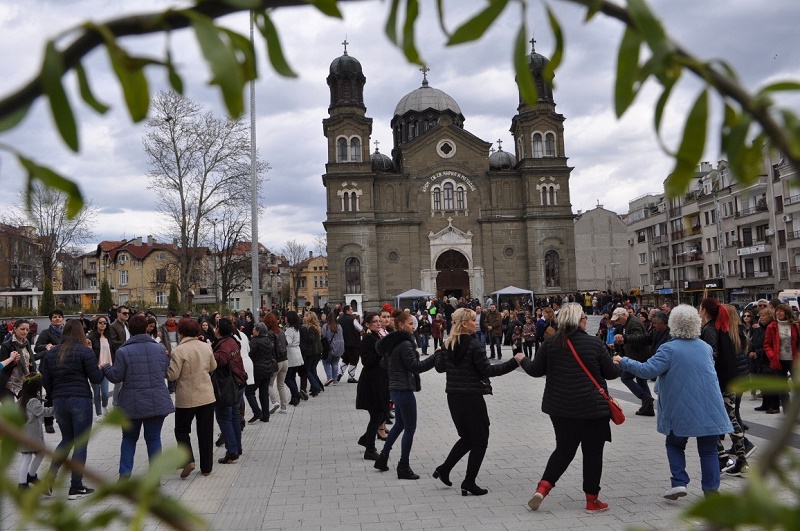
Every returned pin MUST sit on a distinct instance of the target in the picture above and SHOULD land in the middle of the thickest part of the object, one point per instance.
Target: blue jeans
(311, 373)
(709, 462)
(405, 422)
(231, 425)
(100, 396)
(481, 337)
(495, 340)
(423, 343)
(331, 366)
(152, 437)
(638, 386)
(74, 417)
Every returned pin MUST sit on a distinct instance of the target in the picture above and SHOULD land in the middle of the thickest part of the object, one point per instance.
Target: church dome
(424, 98)
(345, 64)
(537, 62)
(502, 160)
(381, 162)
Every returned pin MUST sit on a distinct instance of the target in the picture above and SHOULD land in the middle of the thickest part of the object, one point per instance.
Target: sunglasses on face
(102, 323)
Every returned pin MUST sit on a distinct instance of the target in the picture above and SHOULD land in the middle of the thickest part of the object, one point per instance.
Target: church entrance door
(452, 277)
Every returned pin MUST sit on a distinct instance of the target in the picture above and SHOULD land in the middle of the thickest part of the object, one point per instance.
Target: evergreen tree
(106, 299)
(173, 302)
(48, 303)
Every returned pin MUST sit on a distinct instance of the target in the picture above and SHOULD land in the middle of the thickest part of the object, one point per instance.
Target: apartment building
(731, 240)
(311, 276)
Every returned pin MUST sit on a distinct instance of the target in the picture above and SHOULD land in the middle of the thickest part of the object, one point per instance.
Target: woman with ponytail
(717, 332)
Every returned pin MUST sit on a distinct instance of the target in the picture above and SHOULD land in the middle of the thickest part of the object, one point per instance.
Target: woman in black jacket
(468, 372)
(373, 385)
(262, 354)
(579, 413)
(404, 370)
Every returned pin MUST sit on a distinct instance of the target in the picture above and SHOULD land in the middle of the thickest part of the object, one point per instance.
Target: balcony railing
(794, 270)
(680, 259)
(694, 257)
(662, 238)
(791, 200)
(675, 212)
(756, 274)
(696, 229)
(751, 210)
(677, 234)
(793, 235)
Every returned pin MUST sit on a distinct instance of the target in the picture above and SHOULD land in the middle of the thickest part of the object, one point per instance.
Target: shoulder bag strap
(580, 362)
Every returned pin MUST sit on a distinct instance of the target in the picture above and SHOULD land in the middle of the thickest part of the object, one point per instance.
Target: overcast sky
(614, 161)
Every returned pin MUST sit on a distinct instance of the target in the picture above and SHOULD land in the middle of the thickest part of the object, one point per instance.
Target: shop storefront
(697, 290)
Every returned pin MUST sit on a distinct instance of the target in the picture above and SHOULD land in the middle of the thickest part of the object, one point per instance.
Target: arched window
(342, 149)
(552, 195)
(353, 202)
(346, 202)
(552, 266)
(355, 150)
(550, 145)
(460, 198)
(537, 145)
(352, 275)
(437, 199)
(448, 196)
(543, 196)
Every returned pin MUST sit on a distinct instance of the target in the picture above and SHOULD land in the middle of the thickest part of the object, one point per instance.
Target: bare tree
(234, 265)
(47, 214)
(199, 165)
(295, 254)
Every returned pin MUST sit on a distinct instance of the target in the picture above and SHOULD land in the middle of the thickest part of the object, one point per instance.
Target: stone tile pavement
(304, 470)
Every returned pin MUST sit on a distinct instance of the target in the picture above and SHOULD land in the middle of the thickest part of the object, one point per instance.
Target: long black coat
(373, 384)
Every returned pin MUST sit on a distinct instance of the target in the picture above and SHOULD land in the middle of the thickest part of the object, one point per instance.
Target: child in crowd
(30, 400)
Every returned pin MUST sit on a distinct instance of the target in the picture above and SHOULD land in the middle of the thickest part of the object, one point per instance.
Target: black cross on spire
(345, 43)
(424, 69)
(499, 145)
(533, 43)
(376, 145)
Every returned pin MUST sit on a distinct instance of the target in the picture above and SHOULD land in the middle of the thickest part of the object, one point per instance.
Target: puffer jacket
(468, 370)
(637, 342)
(404, 364)
(141, 366)
(69, 379)
(262, 354)
(568, 391)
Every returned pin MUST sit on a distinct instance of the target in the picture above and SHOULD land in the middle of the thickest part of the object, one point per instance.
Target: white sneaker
(283, 410)
(675, 492)
(98, 418)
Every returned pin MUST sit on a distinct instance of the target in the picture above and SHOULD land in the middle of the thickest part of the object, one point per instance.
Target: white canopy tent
(509, 291)
(412, 294)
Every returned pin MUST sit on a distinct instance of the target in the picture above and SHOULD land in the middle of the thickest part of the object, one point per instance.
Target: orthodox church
(445, 213)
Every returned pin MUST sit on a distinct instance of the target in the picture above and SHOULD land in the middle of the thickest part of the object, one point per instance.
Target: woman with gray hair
(689, 400)
(580, 415)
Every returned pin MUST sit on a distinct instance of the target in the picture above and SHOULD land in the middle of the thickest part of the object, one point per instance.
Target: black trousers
(262, 386)
(591, 435)
(472, 424)
(204, 416)
(376, 418)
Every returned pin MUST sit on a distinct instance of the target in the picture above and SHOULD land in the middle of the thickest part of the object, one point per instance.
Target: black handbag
(226, 391)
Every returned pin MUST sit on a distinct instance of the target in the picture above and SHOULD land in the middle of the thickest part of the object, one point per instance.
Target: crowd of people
(215, 365)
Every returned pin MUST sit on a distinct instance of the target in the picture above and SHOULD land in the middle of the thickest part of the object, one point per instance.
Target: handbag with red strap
(617, 415)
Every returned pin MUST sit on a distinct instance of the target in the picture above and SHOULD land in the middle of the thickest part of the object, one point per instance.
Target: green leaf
(593, 9)
(391, 22)
(440, 16)
(86, 91)
(525, 82)
(221, 60)
(627, 70)
(780, 86)
(763, 383)
(659, 113)
(274, 50)
(13, 119)
(52, 179)
(246, 4)
(327, 7)
(175, 80)
(132, 80)
(409, 47)
(649, 26)
(474, 28)
(691, 148)
(558, 53)
(245, 47)
(52, 70)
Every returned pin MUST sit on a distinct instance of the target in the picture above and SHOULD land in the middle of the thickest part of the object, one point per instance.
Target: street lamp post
(216, 256)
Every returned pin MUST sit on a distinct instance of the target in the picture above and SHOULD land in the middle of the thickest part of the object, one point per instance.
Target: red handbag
(617, 415)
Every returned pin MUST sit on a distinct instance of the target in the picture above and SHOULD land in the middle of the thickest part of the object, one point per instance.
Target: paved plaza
(304, 470)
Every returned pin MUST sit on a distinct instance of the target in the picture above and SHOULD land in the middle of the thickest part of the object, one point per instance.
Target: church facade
(445, 213)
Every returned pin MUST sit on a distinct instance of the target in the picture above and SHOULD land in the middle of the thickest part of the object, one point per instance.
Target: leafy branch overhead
(646, 53)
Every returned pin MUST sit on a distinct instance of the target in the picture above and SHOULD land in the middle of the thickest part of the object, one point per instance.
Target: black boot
(362, 441)
(382, 462)
(404, 471)
(472, 488)
(647, 407)
(442, 475)
(371, 454)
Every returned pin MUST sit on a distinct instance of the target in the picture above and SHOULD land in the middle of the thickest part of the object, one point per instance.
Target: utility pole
(216, 267)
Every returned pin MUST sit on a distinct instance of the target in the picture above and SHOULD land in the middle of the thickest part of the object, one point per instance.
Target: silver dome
(502, 160)
(425, 98)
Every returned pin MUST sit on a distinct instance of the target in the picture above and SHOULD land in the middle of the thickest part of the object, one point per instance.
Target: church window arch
(460, 203)
(352, 275)
(346, 202)
(548, 193)
(448, 190)
(449, 195)
(351, 198)
(552, 269)
(437, 198)
(537, 145)
(549, 145)
(552, 195)
(341, 149)
(355, 149)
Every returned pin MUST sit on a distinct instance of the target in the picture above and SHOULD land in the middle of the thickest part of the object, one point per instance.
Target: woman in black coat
(262, 354)
(468, 372)
(373, 385)
(579, 413)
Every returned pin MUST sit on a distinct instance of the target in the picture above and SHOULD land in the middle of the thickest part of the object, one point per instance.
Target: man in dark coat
(636, 345)
(47, 340)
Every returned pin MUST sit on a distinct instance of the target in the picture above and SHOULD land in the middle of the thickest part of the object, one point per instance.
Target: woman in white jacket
(292, 333)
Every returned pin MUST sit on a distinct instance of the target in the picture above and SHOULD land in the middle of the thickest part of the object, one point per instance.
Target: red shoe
(542, 490)
(593, 505)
